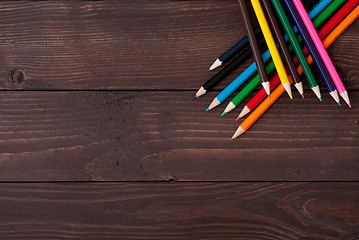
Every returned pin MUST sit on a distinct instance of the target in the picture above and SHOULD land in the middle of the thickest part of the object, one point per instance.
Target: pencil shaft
(335, 20)
(317, 9)
(241, 44)
(251, 86)
(293, 40)
(277, 33)
(327, 28)
(228, 69)
(318, 44)
(270, 41)
(324, 15)
(280, 89)
(253, 42)
(253, 68)
(309, 44)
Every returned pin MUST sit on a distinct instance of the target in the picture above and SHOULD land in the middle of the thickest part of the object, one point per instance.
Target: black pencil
(279, 36)
(254, 46)
(225, 71)
(244, 42)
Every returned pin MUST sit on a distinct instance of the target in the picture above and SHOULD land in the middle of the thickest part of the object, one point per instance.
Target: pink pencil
(322, 52)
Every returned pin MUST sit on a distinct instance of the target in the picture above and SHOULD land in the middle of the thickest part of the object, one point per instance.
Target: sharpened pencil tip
(269, 96)
(349, 105)
(194, 97)
(339, 104)
(208, 70)
(302, 95)
(232, 139)
(290, 95)
(320, 99)
(223, 114)
(207, 109)
(238, 118)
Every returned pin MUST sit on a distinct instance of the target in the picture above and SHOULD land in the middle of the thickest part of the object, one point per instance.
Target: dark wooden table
(100, 138)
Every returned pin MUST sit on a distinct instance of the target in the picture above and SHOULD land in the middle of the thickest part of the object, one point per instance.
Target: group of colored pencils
(337, 15)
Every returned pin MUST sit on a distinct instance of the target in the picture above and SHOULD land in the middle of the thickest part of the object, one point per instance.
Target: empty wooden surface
(97, 121)
(179, 211)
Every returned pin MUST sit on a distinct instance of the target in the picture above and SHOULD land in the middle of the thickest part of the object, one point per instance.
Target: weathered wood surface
(79, 129)
(99, 135)
(129, 44)
(89, 211)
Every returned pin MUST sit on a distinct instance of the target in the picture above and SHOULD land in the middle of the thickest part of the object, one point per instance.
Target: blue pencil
(312, 50)
(236, 83)
(244, 41)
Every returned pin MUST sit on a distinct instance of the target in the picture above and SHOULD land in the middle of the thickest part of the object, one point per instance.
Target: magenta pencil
(322, 52)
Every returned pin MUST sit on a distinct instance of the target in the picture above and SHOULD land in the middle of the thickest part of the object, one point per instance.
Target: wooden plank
(128, 136)
(129, 44)
(179, 211)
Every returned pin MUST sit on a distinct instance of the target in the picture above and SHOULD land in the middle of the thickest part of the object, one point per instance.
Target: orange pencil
(280, 89)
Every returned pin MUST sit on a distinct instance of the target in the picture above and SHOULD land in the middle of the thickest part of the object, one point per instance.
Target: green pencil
(324, 15)
(247, 89)
(320, 18)
(297, 49)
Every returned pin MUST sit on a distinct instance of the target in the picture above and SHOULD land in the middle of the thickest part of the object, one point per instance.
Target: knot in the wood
(16, 75)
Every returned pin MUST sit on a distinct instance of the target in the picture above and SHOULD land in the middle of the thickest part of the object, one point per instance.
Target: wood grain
(151, 45)
(122, 136)
(179, 211)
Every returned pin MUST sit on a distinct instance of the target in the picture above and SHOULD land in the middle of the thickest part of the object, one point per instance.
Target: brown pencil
(278, 35)
(254, 46)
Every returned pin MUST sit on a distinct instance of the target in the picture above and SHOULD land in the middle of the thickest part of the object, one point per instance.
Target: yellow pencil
(271, 46)
(332, 36)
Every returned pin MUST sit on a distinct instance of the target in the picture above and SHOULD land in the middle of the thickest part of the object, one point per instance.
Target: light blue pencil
(246, 74)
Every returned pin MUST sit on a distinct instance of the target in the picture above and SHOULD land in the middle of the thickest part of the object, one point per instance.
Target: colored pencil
(225, 71)
(313, 51)
(237, 82)
(281, 42)
(320, 19)
(271, 46)
(296, 47)
(250, 87)
(280, 90)
(252, 69)
(244, 41)
(254, 46)
(329, 26)
(335, 20)
(322, 52)
(318, 8)
(258, 98)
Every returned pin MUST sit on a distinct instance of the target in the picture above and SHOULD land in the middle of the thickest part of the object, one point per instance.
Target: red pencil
(324, 31)
(259, 96)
